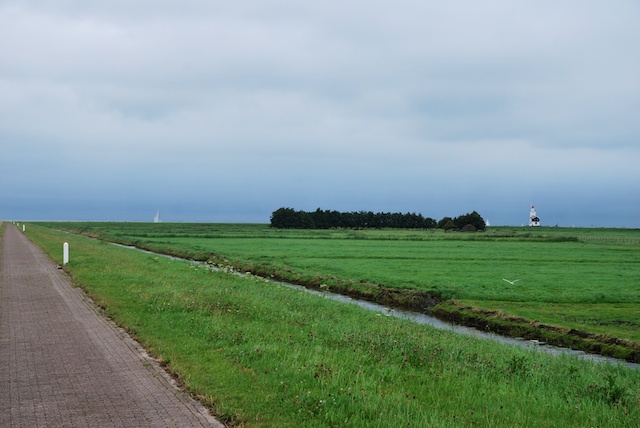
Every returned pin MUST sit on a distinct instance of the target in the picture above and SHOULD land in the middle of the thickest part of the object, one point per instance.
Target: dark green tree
(473, 219)
(445, 220)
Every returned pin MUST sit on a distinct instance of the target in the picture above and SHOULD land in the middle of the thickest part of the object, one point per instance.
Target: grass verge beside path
(263, 355)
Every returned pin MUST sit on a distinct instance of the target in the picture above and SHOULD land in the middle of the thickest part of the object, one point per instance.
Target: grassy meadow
(260, 354)
(585, 279)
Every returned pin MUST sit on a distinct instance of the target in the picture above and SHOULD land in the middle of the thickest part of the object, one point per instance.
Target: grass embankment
(578, 287)
(500, 322)
(263, 355)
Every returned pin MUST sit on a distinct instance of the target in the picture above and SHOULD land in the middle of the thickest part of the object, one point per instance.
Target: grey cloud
(357, 104)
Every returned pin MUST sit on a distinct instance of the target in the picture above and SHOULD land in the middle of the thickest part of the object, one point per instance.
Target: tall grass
(264, 355)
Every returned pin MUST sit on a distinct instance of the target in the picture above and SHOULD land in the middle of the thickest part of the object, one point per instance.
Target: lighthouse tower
(534, 220)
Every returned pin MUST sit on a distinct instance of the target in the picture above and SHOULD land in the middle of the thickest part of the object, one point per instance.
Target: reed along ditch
(453, 316)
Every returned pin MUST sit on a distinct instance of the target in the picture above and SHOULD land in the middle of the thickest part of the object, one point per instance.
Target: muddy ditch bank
(507, 325)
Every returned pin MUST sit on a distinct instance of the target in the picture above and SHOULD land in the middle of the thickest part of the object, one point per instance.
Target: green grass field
(263, 355)
(587, 279)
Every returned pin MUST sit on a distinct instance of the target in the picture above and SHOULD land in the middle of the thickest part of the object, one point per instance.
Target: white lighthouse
(534, 220)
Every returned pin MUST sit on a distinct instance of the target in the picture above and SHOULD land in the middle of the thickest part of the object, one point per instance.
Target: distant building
(534, 220)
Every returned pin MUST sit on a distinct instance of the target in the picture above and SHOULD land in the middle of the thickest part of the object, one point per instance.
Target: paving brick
(64, 365)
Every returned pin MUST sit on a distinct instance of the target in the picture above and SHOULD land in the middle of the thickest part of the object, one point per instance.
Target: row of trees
(288, 218)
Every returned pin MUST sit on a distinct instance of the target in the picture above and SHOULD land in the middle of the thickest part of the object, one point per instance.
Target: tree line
(288, 218)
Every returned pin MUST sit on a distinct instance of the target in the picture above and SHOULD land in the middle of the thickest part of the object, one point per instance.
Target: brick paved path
(62, 364)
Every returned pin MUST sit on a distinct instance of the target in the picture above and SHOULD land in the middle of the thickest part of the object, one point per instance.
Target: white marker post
(23, 227)
(65, 253)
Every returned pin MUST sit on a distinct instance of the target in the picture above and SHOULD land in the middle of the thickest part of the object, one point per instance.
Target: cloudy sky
(225, 111)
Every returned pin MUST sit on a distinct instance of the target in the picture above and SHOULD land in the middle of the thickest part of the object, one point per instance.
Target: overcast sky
(225, 111)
